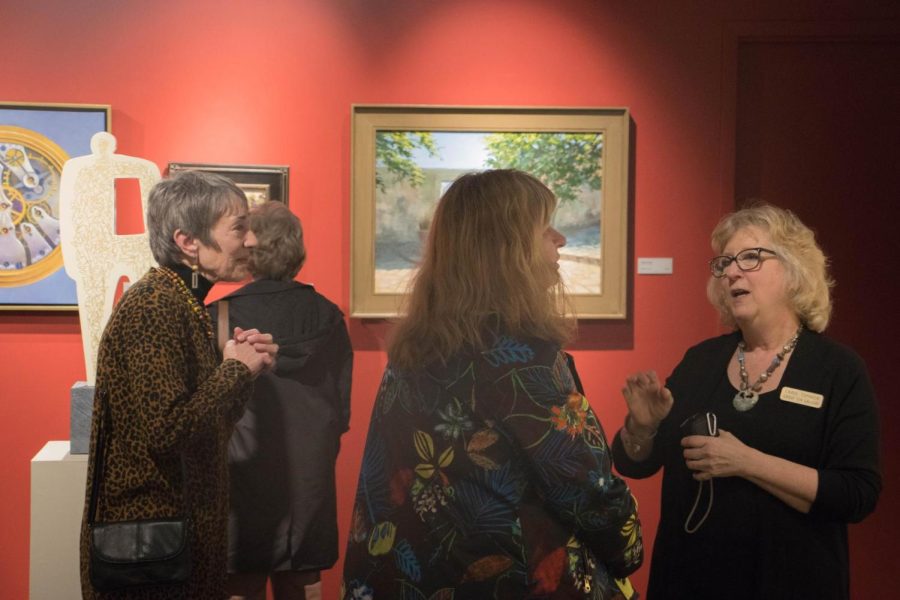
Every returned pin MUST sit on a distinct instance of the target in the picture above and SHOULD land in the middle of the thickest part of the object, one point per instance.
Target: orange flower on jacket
(571, 416)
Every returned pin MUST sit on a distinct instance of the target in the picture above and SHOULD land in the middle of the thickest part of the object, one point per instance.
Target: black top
(204, 285)
(282, 453)
(753, 545)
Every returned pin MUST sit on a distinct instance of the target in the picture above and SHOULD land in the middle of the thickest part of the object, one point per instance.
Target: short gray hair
(192, 201)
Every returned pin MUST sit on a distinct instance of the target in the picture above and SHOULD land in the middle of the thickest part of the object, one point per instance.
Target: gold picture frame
(260, 183)
(404, 157)
(36, 140)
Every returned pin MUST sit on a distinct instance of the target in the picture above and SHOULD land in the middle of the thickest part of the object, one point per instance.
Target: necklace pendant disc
(744, 400)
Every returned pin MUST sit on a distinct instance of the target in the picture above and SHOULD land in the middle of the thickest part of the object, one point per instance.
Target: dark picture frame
(259, 182)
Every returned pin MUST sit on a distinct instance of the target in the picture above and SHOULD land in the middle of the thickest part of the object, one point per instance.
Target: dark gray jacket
(282, 453)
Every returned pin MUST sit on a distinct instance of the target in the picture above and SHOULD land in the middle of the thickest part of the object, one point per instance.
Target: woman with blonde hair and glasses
(486, 474)
(759, 510)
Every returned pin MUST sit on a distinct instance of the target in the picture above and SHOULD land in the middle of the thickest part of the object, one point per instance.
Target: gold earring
(195, 282)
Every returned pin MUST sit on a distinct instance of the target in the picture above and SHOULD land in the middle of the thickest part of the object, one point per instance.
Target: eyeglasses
(746, 260)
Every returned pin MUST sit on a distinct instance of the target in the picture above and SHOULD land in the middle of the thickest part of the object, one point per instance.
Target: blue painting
(35, 143)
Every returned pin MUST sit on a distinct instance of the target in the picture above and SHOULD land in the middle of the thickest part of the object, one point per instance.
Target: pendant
(744, 400)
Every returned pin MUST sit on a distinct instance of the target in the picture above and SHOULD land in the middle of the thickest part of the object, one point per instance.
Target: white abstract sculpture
(93, 254)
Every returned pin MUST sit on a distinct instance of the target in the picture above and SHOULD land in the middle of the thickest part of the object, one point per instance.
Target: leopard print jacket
(168, 396)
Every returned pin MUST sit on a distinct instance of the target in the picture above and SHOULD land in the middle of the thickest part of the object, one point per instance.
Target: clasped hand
(256, 350)
(722, 456)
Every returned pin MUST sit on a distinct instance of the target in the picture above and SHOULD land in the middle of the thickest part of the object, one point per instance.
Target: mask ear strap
(712, 427)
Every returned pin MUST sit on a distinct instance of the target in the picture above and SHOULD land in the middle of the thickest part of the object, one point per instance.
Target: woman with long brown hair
(486, 474)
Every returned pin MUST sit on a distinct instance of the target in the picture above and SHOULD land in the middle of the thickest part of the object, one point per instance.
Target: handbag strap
(97, 464)
(100, 461)
(222, 329)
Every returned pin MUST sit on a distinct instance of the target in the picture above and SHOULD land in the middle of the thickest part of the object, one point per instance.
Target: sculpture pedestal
(57, 503)
(81, 407)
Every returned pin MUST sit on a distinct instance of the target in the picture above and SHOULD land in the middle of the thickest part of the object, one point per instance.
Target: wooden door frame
(735, 33)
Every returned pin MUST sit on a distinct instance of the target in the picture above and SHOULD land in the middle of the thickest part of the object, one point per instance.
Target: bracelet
(642, 438)
(634, 440)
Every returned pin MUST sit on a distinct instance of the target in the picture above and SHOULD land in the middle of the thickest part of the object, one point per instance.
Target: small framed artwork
(35, 142)
(260, 183)
(405, 157)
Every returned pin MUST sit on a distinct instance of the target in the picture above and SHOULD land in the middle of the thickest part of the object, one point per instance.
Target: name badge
(789, 394)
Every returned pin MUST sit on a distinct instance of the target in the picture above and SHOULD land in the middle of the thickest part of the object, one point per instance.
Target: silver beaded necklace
(748, 395)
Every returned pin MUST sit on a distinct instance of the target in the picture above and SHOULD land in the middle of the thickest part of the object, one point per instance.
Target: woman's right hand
(255, 360)
(649, 402)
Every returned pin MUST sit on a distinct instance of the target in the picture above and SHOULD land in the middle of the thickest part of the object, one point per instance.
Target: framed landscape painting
(405, 157)
(35, 142)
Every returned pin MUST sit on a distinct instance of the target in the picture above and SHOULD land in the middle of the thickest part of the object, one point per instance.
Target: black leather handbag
(130, 554)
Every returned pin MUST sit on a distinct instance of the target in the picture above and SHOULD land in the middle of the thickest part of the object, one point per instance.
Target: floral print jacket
(489, 477)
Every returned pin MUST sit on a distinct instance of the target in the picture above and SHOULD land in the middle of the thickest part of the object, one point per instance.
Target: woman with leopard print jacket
(168, 401)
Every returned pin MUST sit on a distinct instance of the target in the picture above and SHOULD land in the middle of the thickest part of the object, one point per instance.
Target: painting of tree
(405, 158)
(565, 162)
(396, 152)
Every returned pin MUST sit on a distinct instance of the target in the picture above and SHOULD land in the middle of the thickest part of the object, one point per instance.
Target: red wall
(272, 82)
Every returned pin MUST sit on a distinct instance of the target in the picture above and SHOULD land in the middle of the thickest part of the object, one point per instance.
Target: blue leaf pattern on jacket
(373, 482)
(507, 350)
(406, 561)
(487, 501)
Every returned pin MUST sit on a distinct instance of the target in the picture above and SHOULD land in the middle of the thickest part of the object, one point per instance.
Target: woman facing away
(283, 516)
(165, 399)
(486, 474)
(761, 510)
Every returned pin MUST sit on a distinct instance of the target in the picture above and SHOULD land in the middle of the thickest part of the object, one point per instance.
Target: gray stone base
(82, 405)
